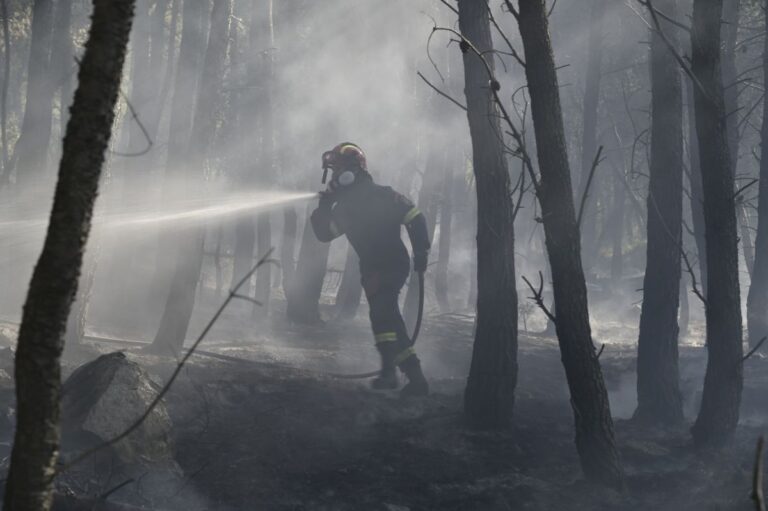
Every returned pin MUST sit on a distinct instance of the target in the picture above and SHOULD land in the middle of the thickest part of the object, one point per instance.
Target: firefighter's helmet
(345, 156)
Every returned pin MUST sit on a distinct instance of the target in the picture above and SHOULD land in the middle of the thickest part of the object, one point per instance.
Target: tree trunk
(757, 299)
(31, 150)
(719, 413)
(697, 191)
(29, 486)
(490, 394)
(351, 289)
(617, 227)
(589, 398)
(266, 74)
(729, 29)
(288, 247)
(4, 92)
(181, 298)
(589, 129)
(444, 243)
(307, 286)
(658, 390)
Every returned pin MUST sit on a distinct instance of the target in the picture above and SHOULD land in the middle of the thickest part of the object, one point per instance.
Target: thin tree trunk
(444, 243)
(729, 29)
(29, 485)
(592, 416)
(263, 220)
(181, 299)
(697, 191)
(757, 299)
(288, 248)
(4, 93)
(617, 227)
(721, 397)
(658, 388)
(31, 150)
(490, 393)
(589, 128)
(63, 58)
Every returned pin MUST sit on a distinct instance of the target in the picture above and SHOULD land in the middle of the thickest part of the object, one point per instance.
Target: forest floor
(279, 433)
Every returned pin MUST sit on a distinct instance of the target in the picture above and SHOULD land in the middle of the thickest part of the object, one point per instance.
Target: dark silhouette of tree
(490, 391)
(181, 298)
(757, 299)
(304, 292)
(592, 417)
(721, 396)
(29, 486)
(29, 155)
(658, 390)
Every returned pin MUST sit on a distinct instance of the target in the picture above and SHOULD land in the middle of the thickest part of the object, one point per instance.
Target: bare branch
(445, 95)
(445, 3)
(130, 429)
(592, 170)
(753, 350)
(538, 298)
(689, 268)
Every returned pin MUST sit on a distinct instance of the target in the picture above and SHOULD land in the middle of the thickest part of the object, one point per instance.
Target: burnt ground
(279, 433)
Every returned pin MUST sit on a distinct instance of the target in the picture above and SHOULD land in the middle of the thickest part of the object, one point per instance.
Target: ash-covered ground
(275, 431)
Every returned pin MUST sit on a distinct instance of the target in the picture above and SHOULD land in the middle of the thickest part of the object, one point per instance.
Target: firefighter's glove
(327, 200)
(420, 262)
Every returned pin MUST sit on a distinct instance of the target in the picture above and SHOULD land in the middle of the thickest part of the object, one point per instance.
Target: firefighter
(370, 215)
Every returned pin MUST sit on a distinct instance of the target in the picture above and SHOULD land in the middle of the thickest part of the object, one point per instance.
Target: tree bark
(181, 298)
(592, 417)
(697, 191)
(444, 243)
(721, 398)
(29, 486)
(658, 390)
(31, 150)
(589, 128)
(757, 299)
(490, 393)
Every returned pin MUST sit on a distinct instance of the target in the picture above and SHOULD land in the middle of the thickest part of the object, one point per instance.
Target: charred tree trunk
(29, 486)
(697, 191)
(589, 128)
(444, 243)
(757, 299)
(307, 286)
(288, 247)
(31, 150)
(723, 381)
(730, 30)
(592, 416)
(490, 394)
(181, 298)
(351, 289)
(263, 221)
(658, 389)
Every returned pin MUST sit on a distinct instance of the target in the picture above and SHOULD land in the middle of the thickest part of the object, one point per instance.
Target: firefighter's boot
(387, 379)
(417, 385)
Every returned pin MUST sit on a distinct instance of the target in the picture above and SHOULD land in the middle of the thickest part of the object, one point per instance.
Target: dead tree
(444, 242)
(757, 299)
(697, 191)
(592, 416)
(490, 392)
(181, 297)
(721, 398)
(30, 157)
(589, 127)
(658, 390)
(29, 486)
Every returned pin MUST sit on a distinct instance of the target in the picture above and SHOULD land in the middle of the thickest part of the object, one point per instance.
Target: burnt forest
(398, 255)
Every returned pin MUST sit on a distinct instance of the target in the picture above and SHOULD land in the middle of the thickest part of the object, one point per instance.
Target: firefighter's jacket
(370, 216)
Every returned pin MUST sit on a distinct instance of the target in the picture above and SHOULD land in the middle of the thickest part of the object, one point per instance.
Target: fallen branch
(130, 429)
